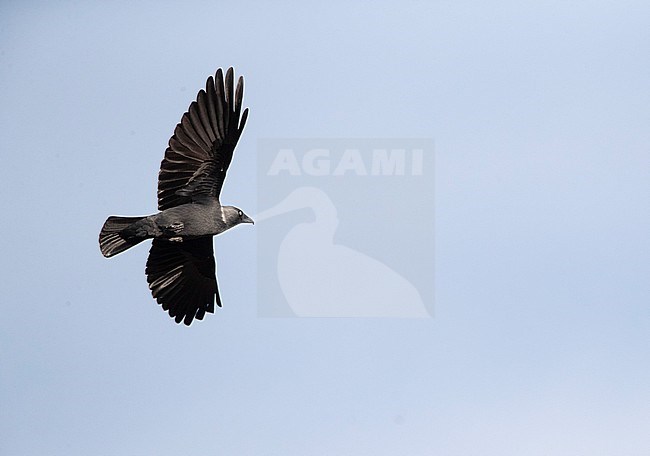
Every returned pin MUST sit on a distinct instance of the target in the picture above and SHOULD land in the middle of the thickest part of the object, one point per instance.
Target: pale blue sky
(541, 337)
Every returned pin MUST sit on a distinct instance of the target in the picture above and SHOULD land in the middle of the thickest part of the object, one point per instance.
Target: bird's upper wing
(201, 149)
(182, 278)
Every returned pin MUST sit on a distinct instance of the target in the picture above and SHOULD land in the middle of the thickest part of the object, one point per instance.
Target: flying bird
(181, 267)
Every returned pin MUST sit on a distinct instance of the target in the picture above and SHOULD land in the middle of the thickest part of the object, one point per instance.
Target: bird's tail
(110, 241)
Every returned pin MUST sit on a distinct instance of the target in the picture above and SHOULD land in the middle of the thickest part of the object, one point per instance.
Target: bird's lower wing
(182, 278)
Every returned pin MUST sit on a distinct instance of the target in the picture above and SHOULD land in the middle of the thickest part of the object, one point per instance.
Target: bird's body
(181, 268)
(187, 221)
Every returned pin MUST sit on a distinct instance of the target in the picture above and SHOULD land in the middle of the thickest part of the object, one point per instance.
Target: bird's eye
(240, 213)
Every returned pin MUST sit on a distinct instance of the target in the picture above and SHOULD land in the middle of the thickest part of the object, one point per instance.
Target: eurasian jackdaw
(181, 268)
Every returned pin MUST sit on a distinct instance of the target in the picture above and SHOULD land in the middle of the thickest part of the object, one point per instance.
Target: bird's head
(233, 216)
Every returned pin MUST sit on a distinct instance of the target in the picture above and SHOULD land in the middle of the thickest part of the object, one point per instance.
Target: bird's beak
(247, 219)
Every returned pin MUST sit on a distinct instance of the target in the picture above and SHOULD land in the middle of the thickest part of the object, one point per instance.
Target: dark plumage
(181, 269)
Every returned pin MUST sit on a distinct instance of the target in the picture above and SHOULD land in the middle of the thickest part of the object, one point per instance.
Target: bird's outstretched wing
(182, 278)
(199, 153)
